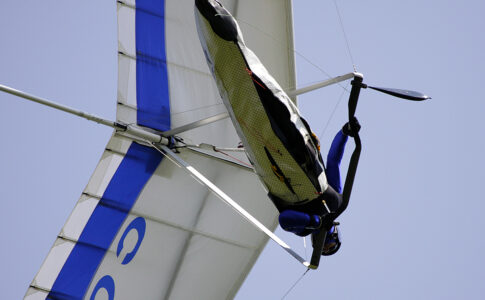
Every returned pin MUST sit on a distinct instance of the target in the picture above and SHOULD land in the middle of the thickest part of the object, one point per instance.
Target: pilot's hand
(351, 128)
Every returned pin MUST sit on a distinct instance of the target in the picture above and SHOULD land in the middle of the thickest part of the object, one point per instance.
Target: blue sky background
(414, 227)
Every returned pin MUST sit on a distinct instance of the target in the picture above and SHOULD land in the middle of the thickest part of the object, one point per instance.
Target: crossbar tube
(322, 84)
(128, 129)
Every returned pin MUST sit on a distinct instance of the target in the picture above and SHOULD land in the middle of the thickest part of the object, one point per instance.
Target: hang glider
(143, 227)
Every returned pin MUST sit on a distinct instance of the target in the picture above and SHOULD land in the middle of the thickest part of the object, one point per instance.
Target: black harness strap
(349, 180)
(354, 159)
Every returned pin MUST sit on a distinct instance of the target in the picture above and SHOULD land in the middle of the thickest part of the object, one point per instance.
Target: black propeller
(404, 94)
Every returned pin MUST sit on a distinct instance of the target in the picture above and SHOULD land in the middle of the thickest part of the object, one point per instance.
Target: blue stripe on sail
(151, 65)
(119, 197)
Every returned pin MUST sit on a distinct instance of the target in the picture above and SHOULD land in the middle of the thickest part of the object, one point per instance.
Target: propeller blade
(405, 94)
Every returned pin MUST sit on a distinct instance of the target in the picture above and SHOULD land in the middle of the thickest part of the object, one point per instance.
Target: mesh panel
(237, 88)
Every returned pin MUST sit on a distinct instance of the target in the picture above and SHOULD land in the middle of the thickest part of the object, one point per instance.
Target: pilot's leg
(299, 223)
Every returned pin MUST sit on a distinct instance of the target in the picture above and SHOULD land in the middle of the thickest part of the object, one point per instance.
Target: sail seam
(42, 289)
(111, 211)
(185, 248)
(170, 224)
(169, 63)
(126, 4)
(127, 105)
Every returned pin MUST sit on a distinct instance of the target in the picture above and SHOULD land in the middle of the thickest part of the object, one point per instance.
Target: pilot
(304, 221)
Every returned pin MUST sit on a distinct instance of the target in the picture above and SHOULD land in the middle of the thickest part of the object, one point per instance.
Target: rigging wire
(345, 35)
(333, 113)
(344, 88)
(294, 284)
(234, 158)
(304, 246)
(299, 54)
(281, 43)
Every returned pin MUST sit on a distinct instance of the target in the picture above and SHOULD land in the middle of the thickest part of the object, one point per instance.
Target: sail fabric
(143, 228)
(276, 138)
(153, 107)
(175, 232)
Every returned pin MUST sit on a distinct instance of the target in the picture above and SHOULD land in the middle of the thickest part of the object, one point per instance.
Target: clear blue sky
(414, 227)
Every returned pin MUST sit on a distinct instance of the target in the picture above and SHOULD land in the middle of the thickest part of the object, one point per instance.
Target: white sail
(143, 228)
